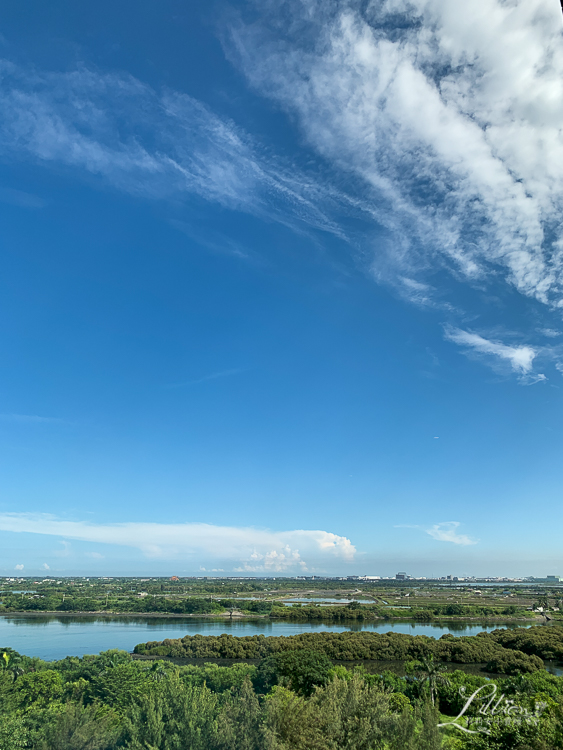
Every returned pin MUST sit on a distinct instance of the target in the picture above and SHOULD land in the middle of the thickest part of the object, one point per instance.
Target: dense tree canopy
(502, 651)
(293, 698)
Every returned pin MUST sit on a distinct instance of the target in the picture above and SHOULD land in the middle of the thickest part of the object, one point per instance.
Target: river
(53, 637)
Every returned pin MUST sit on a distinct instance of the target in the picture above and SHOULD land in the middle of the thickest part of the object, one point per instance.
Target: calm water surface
(51, 637)
(324, 600)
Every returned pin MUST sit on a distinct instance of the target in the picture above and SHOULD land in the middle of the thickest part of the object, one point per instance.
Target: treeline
(370, 612)
(314, 612)
(502, 651)
(545, 642)
(148, 604)
(160, 603)
(293, 699)
(466, 610)
(130, 604)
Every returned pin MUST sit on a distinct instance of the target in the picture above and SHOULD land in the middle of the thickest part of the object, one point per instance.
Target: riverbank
(141, 615)
(54, 636)
(237, 615)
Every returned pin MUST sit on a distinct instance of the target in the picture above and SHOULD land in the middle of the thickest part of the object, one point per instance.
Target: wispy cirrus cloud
(437, 133)
(519, 358)
(206, 378)
(20, 198)
(446, 531)
(215, 241)
(30, 419)
(159, 145)
(449, 123)
(243, 547)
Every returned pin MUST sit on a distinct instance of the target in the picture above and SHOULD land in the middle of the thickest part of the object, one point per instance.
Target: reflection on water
(325, 600)
(54, 636)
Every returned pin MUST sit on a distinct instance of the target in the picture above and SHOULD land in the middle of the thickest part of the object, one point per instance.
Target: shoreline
(238, 616)
(102, 613)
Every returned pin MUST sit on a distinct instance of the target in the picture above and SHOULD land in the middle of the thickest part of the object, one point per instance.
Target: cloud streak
(247, 548)
(520, 358)
(206, 378)
(159, 145)
(447, 532)
(30, 419)
(444, 532)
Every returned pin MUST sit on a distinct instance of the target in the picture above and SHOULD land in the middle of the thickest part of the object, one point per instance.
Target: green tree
(173, 716)
(158, 670)
(119, 685)
(431, 671)
(429, 737)
(37, 690)
(301, 670)
(241, 722)
(293, 722)
(13, 732)
(80, 727)
(355, 715)
(11, 663)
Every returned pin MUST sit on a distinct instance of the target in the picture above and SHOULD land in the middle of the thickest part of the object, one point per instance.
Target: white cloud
(206, 378)
(20, 567)
(249, 548)
(447, 532)
(449, 116)
(29, 419)
(66, 549)
(160, 145)
(437, 127)
(215, 241)
(46, 567)
(443, 532)
(275, 560)
(520, 358)
(21, 199)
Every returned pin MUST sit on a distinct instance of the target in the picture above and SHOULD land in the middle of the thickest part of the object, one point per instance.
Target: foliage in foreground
(293, 699)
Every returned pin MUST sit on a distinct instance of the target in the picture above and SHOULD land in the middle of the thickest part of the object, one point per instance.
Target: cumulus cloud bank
(248, 549)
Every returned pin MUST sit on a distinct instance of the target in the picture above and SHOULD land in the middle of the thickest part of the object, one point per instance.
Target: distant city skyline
(281, 298)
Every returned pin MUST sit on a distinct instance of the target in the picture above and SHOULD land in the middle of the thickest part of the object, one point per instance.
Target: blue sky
(281, 287)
